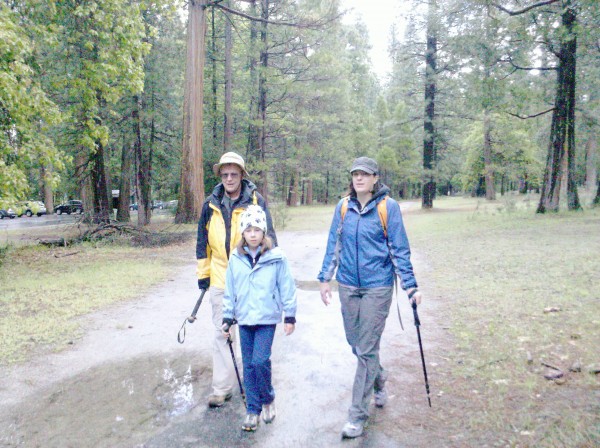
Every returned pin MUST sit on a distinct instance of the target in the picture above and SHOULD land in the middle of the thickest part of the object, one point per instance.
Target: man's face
(231, 177)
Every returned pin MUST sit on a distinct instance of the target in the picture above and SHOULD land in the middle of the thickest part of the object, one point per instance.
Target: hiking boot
(216, 401)
(381, 398)
(250, 423)
(268, 412)
(352, 430)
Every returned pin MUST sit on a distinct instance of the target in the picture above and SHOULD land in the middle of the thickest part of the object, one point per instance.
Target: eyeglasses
(232, 175)
(361, 174)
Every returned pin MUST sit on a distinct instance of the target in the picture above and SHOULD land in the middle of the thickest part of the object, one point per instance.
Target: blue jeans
(256, 342)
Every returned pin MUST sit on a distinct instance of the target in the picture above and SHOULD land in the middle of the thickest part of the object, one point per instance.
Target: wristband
(412, 293)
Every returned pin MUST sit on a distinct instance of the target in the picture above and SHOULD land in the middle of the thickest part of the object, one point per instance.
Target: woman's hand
(325, 293)
(415, 295)
(288, 329)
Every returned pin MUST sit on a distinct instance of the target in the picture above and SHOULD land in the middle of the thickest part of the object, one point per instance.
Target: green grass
(45, 290)
(495, 269)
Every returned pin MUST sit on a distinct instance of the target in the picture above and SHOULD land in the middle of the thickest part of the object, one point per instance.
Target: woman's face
(363, 182)
(253, 236)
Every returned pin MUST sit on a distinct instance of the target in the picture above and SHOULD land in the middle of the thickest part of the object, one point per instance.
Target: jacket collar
(245, 195)
(377, 196)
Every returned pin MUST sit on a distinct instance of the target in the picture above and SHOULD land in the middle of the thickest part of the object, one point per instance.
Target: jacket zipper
(356, 243)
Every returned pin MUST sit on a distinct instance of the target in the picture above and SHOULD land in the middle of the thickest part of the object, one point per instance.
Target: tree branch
(524, 10)
(530, 116)
(309, 25)
(518, 67)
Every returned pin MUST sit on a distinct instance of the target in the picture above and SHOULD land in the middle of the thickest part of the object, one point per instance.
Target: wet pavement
(129, 383)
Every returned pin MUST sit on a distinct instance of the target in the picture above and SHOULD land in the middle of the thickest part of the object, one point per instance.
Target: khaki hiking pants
(224, 379)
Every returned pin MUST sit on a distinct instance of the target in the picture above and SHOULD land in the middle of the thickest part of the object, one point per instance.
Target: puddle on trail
(117, 404)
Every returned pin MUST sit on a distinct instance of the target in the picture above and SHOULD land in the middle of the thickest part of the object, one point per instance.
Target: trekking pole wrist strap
(412, 293)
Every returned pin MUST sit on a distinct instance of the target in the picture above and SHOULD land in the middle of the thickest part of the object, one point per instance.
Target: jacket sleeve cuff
(290, 320)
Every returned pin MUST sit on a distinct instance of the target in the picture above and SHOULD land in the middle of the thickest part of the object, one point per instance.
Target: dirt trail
(128, 383)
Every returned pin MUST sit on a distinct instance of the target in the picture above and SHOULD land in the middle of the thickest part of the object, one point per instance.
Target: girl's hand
(225, 330)
(288, 329)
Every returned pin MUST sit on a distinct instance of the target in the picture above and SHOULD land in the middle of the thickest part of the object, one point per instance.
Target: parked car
(133, 207)
(172, 204)
(157, 204)
(72, 206)
(7, 214)
(30, 208)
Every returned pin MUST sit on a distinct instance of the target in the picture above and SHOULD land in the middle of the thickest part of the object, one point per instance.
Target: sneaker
(352, 430)
(216, 401)
(268, 412)
(250, 423)
(381, 398)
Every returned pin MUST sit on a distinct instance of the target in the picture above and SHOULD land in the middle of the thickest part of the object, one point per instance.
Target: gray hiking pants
(365, 311)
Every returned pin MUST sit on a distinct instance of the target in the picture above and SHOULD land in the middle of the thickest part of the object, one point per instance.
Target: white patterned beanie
(253, 216)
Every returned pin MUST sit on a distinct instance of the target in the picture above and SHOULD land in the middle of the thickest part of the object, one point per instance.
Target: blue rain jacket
(259, 295)
(366, 258)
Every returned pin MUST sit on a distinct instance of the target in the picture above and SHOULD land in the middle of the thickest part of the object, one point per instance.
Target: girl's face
(253, 236)
(363, 182)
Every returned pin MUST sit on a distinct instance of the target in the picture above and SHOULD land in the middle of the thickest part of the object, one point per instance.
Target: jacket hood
(380, 193)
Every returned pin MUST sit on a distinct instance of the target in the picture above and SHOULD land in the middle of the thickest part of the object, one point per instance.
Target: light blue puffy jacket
(366, 258)
(259, 295)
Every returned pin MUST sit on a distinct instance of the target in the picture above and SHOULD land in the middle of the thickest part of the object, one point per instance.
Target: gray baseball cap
(365, 164)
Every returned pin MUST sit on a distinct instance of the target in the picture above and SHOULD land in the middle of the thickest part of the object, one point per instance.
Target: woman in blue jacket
(368, 248)
(259, 287)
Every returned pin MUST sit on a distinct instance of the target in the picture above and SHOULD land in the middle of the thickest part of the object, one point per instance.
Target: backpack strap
(381, 211)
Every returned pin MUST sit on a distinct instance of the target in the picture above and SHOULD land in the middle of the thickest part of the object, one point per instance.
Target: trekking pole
(237, 372)
(418, 324)
(191, 319)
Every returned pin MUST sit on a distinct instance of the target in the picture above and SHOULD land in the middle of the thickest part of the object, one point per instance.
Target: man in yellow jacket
(218, 235)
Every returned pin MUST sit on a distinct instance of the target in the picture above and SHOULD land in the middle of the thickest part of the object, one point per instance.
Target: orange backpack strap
(382, 212)
(344, 207)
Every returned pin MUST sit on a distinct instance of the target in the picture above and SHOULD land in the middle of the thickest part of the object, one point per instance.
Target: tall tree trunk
(262, 101)
(143, 158)
(490, 189)
(191, 194)
(124, 184)
(227, 118)
(47, 192)
(102, 207)
(252, 146)
(82, 178)
(591, 172)
(309, 192)
(214, 84)
(429, 151)
(562, 131)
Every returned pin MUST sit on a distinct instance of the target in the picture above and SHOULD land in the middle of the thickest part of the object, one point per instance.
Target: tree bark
(429, 150)
(191, 195)
(252, 146)
(562, 131)
(214, 84)
(45, 175)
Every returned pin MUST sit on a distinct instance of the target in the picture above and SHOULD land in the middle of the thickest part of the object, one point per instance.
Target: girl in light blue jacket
(259, 287)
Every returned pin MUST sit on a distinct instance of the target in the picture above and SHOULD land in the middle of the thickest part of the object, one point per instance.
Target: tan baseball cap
(227, 158)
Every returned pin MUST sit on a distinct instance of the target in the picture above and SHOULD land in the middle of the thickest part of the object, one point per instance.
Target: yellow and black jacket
(219, 233)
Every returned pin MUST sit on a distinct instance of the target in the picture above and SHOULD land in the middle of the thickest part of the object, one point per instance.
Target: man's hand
(325, 293)
(204, 283)
(414, 295)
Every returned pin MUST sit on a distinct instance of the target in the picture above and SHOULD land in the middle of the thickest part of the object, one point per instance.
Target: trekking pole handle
(192, 317)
